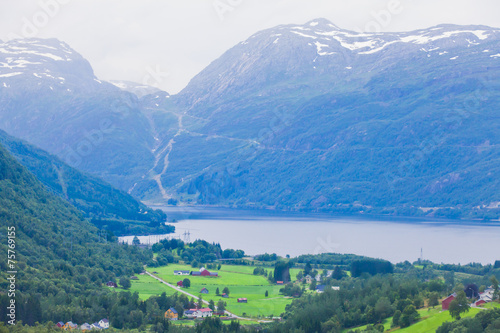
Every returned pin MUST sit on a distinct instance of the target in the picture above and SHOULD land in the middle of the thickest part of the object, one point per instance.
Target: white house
(85, 327)
(182, 272)
(198, 313)
(104, 323)
(96, 326)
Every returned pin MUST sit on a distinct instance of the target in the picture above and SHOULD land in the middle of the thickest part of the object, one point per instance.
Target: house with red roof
(198, 313)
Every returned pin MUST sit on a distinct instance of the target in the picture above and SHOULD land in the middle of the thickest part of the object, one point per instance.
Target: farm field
(239, 279)
(431, 320)
(146, 286)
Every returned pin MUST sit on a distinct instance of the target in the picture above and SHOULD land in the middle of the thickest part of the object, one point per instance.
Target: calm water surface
(394, 240)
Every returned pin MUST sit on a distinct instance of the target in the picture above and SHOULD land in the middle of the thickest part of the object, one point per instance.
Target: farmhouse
(182, 272)
(242, 300)
(204, 291)
(104, 323)
(203, 272)
(225, 295)
(70, 326)
(171, 314)
(60, 324)
(85, 327)
(111, 284)
(198, 313)
(320, 288)
(445, 304)
(180, 284)
(309, 279)
(96, 326)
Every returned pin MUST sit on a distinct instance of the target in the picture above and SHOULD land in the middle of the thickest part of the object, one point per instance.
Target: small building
(85, 327)
(480, 302)
(181, 272)
(96, 326)
(70, 326)
(204, 272)
(204, 312)
(225, 295)
(171, 314)
(189, 314)
(133, 277)
(279, 282)
(111, 284)
(320, 288)
(104, 323)
(198, 313)
(309, 279)
(60, 324)
(335, 288)
(242, 300)
(445, 304)
(204, 291)
(180, 284)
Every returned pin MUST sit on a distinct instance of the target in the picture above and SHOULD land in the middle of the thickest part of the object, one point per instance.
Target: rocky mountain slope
(304, 117)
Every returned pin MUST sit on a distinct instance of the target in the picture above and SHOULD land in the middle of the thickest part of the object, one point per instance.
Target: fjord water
(396, 240)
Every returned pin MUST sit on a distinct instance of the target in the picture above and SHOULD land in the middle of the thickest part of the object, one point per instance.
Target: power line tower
(187, 236)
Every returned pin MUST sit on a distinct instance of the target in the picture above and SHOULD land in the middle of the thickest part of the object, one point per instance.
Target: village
(237, 287)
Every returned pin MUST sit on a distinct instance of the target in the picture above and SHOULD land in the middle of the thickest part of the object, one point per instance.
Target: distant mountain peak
(321, 23)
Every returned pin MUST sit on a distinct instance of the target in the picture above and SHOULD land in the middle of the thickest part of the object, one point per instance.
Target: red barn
(445, 304)
(480, 302)
(179, 284)
(205, 273)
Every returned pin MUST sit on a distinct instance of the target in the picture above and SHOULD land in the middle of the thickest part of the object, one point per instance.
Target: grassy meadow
(239, 279)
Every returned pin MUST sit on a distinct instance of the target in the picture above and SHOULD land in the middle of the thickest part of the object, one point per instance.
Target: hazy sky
(166, 42)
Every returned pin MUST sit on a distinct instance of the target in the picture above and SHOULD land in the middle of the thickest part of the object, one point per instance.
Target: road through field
(232, 315)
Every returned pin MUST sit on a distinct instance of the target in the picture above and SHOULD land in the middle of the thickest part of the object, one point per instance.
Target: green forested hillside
(97, 199)
(60, 263)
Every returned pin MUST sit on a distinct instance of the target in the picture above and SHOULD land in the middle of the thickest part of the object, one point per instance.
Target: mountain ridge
(387, 122)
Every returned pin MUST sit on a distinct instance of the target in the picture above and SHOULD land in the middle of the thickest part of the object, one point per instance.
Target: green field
(431, 319)
(146, 286)
(239, 279)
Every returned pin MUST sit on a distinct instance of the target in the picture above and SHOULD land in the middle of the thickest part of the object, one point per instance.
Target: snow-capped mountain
(295, 117)
(321, 51)
(324, 117)
(50, 97)
(39, 62)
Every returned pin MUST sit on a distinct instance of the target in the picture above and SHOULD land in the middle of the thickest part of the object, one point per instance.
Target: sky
(164, 43)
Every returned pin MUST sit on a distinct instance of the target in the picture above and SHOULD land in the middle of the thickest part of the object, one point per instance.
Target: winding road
(229, 314)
